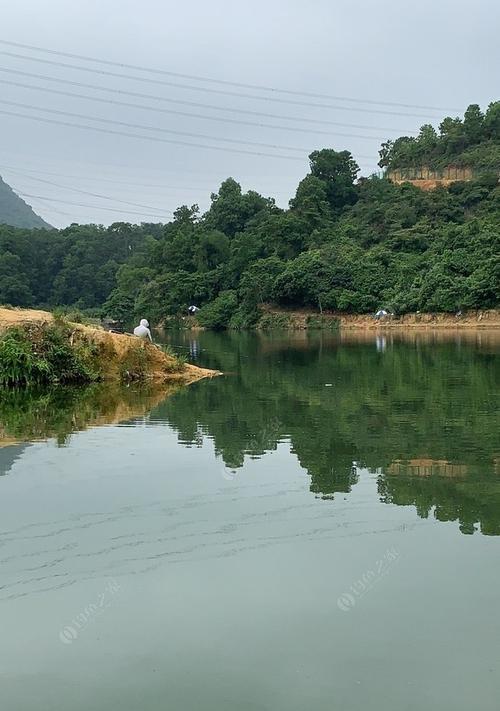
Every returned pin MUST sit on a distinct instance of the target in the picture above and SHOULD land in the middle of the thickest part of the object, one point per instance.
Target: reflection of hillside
(427, 467)
(41, 413)
(337, 404)
(470, 495)
(487, 339)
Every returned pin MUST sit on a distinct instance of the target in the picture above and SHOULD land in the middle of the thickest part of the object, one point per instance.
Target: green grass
(178, 363)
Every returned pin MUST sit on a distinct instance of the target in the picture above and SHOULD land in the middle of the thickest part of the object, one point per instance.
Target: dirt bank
(468, 319)
(302, 319)
(117, 352)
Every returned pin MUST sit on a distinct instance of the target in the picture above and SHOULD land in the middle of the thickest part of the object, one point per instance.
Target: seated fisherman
(142, 330)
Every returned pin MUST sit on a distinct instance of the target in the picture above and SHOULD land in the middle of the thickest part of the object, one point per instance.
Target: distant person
(192, 310)
(381, 313)
(142, 330)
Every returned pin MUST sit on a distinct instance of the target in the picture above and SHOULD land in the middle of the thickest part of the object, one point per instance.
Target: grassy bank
(37, 348)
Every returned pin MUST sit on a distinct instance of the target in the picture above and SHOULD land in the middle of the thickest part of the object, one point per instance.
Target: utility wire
(79, 204)
(120, 168)
(155, 139)
(156, 109)
(98, 179)
(224, 82)
(142, 127)
(55, 210)
(195, 104)
(223, 92)
(95, 178)
(86, 192)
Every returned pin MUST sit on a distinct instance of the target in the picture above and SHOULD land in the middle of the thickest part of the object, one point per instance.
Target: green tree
(338, 171)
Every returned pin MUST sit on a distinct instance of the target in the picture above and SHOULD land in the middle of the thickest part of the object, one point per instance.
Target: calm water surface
(318, 529)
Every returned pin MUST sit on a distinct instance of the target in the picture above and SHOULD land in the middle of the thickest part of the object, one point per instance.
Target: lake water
(317, 529)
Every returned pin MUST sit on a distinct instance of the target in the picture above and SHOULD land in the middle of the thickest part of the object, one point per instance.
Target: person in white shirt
(142, 330)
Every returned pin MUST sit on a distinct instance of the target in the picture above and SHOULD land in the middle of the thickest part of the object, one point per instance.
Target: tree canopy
(344, 244)
(473, 142)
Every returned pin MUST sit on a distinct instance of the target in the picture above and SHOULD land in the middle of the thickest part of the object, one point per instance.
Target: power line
(119, 168)
(86, 192)
(223, 92)
(224, 82)
(55, 210)
(78, 204)
(95, 178)
(294, 129)
(98, 179)
(155, 139)
(195, 104)
(154, 128)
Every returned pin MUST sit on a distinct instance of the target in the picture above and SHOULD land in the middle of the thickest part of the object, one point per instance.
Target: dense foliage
(75, 266)
(473, 142)
(344, 244)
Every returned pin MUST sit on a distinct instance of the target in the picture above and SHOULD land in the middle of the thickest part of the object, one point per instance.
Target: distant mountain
(14, 211)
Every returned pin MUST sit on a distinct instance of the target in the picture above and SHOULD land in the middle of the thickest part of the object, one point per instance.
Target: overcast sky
(442, 54)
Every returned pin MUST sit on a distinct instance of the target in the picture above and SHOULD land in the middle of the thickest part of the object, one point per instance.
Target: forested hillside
(15, 212)
(345, 243)
(472, 142)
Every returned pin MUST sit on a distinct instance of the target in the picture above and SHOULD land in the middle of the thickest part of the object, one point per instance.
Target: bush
(275, 321)
(217, 314)
(178, 360)
(322, 322)
(244, 317)
(134, 365)
(46, 353)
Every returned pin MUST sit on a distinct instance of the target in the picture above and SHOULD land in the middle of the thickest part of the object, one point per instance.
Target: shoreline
(488, 319)
(305, 319)
(117, 355)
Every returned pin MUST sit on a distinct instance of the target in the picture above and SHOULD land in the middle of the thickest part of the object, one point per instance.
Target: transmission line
(156, 109)
(225, 82)
(142, 127)
(223, 92)
(95, 178)
(195, 104)
(155, 139)
(79, 204)
(87, 192)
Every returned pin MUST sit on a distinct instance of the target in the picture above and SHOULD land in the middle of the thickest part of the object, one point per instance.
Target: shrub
(134, 365)
(178, 360)
(321, 322)
(244, 317)
(46, 353)
(274, 321)
(217, 314)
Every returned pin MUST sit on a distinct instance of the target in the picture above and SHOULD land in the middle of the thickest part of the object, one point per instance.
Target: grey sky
(432, 53)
